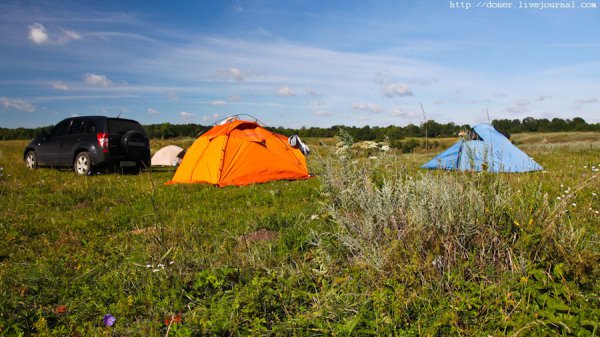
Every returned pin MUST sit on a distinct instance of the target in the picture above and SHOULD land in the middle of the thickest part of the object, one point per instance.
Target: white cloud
(396, 89)
(218, 102)
(68, 35)
(212, 117)
(38, 33)
(153, 111)
(60, 86)
(373, 108)
(541, 98)
(96, 80)
(311, 91)
(587, 100)
(323, 113)
(399, 112)
(286, 91)
(390, 87)
(233, 74)
(186, 115)
(519, 106)
(17, 104)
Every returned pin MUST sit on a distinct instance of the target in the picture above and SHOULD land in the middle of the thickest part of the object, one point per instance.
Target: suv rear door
(71, 140)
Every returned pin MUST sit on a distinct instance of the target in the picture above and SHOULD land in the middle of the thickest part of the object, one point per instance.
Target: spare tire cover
(134, 145)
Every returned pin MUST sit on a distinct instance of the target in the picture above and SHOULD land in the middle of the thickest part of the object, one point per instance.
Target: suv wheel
(31, 160)
(82, 164)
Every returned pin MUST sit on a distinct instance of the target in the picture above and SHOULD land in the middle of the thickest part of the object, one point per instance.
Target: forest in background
(430, 128)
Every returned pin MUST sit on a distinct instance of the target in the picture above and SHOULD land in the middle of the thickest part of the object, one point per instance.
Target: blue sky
(295, 63)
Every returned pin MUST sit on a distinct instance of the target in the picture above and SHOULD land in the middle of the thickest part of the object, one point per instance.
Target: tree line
(430, 129)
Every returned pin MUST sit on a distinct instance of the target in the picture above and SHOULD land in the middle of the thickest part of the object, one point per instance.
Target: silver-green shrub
(384, 213)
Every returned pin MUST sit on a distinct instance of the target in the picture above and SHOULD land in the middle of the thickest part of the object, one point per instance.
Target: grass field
(368, 247)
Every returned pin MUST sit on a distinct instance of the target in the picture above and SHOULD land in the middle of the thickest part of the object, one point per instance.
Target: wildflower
(148, 265)
(61, 309)
(558, 198)
(596, 212)
(385, 148)
(372, 157)
(109, 320)
(314, 217)
(173, 319)
(160, 265)
(155, 270)
(170, 263)
(574, 204)
(594, 194)
(561, 185)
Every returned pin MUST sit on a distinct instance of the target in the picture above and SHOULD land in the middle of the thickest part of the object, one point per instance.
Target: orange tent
(238, 153)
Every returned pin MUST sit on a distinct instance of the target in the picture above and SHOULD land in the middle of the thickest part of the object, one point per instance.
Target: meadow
(371, 246)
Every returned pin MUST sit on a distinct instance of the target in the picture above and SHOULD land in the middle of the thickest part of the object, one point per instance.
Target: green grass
(74, 249)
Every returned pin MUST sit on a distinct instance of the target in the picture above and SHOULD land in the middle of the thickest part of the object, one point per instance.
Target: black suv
(91, 142)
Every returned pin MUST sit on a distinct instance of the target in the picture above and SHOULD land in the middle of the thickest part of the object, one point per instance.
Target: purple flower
(109, 320)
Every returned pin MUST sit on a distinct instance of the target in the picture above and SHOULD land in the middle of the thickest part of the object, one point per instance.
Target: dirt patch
(261, 235)
(82, 205)
(141, 231)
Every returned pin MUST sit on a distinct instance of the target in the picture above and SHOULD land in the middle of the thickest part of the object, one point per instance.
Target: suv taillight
(103, 141)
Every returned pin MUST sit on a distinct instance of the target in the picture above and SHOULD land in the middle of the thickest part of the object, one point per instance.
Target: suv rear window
(124, 125)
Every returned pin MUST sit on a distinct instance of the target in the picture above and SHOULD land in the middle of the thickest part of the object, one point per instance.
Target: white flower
(558, 198)
(594, 194)
(314, 217)
(385, 148)
(171, 262)
(160, 265)
(341, 150)
(148, 266)
(574, 204)
(372, 157)
(155, 270)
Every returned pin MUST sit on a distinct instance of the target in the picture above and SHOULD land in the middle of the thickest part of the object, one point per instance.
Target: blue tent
(484, 149)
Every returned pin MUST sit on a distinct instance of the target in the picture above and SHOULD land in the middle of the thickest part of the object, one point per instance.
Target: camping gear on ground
(483, 149)
(295, 141)
(169, 155)
(239, 152)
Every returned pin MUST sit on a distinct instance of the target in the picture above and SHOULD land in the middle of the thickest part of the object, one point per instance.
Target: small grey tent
(169, 155)
(485, 149)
